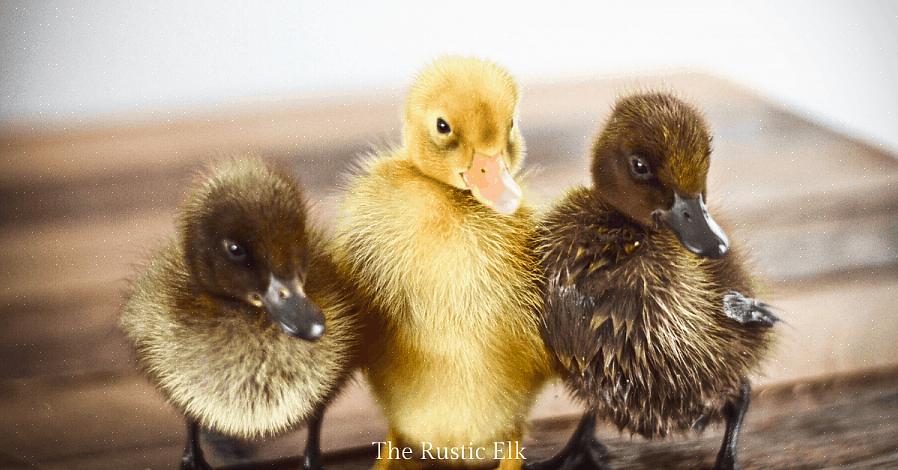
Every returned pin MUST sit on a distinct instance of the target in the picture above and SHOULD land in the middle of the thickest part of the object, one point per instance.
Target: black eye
(443, 126)
(640, 169)
(235, 251)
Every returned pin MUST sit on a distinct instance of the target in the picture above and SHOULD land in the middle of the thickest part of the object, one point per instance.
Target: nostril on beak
(256, 299)
(283, 293)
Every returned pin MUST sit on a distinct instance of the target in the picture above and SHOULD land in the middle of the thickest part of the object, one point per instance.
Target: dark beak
(289, 307)
(697, 231)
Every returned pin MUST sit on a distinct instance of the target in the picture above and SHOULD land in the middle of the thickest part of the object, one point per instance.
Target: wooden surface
(848, 421)
(80, 206)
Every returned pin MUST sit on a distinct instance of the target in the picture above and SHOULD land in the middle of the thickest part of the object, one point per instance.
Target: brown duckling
(241, 321)
(647, 311)
(434, 234)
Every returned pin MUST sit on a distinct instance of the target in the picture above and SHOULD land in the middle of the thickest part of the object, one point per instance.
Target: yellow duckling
(433, 233)
(229, 319)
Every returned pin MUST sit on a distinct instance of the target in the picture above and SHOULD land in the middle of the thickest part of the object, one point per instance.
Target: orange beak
(490, 182)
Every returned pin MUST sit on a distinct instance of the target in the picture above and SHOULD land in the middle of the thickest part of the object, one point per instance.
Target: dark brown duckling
(242, 322)
(648, 312)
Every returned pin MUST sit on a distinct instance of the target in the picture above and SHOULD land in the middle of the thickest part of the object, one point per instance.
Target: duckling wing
(747, 310)
(586, 324)
(568, 325)
(586, 306)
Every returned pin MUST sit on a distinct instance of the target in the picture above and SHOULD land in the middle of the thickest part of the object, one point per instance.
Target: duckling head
(243, 235)
(459, 129)
(651, 162)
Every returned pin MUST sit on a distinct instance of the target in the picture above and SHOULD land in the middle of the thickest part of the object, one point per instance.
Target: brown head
(460, 129)
(243, 235)
(651, 162)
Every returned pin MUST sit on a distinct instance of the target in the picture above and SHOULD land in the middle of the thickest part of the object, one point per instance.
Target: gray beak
(697, 231)
(289, 307)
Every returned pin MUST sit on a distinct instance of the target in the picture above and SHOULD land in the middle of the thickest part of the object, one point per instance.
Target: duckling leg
(734, 412)
(193, 455)
(511, 464)
(582, 452)
(312, 457)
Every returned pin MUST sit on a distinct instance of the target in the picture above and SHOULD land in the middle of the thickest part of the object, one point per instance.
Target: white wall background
(835, 61)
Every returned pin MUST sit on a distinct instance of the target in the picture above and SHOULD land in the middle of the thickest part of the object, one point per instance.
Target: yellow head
(459, 129)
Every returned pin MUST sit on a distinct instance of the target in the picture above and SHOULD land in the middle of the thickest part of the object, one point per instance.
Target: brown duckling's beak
(689, 219)
(289, 307)
(491, 183)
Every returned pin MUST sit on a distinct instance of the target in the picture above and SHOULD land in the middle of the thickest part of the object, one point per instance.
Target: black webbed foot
(746, 310)
(194, 463)
(192, 459)
(728, 465)
(311, 462)
(582, 452)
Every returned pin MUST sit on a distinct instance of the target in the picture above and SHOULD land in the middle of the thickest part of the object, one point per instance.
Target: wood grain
(848, 421)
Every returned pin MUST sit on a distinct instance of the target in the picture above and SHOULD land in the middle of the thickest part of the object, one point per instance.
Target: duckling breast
(642, 338)
(226, 367)
(454, 286)
(669, 355)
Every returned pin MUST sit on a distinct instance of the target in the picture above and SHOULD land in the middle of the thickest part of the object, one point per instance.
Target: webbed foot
(192, 458)
(194, 462)
(746, 310)
(582, 452)
(311, 462)
(727, 465)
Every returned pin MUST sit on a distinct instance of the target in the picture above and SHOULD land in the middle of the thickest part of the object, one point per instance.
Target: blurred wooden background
(80, 206)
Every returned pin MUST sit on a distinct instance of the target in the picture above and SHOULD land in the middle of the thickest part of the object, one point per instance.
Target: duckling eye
(235, 251)
(640, 169)
(443, 126)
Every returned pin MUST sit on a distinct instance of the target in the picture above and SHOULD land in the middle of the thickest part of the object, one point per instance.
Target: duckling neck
(194, 297)
(583, 235)
(395, 217)
(405, 160)
(611, 225)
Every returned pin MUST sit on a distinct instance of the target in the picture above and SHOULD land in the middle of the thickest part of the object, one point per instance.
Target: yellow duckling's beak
(491, 183)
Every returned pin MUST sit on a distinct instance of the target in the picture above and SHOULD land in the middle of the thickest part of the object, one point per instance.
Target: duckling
(241, 321)
(435, 235)
(650, 318)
